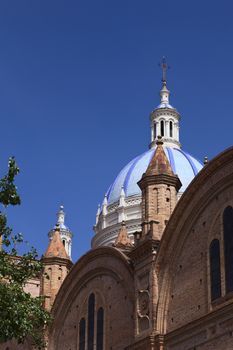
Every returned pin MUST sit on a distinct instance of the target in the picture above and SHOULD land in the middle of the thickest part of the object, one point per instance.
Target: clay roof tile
(56, 247)
(159, 163)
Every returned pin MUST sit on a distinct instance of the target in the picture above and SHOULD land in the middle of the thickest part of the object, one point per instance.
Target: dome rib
(127, 178)
(119, 180)
(171, 159)
(188, 157)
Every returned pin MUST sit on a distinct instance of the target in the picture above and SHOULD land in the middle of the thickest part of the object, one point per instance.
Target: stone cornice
(166, 140)
(161, 111)
(170, 180)
(56, 261)
(152, 341)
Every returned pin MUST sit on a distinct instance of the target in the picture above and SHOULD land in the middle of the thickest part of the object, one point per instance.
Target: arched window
(168, 200)
(162, 128)
(154, 200)
(228, 247)
(215, 272)
(155, 130)
(100, 329)
(171, 129)
(64, 242)
(82, 330)
(91, 321)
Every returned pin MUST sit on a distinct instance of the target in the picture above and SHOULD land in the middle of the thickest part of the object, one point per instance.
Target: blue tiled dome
(182, 163)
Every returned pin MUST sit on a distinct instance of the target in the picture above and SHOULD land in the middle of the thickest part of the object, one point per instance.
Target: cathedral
(159, 275)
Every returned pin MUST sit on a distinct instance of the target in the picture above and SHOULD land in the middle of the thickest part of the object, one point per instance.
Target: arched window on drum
(171, 128)
(162, 128)
(155, 131)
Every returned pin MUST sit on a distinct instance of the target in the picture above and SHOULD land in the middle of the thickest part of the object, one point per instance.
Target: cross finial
(163, 64)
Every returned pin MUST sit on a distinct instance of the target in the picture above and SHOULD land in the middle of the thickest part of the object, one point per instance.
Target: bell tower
(57, 264)
(165, 118)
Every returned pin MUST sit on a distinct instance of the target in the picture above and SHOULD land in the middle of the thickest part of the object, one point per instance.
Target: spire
(163, 64)
(205, 160)
(61, 216)
(97, 214)
(164, 92)
(55, 248)
(123, 240)
(159, 163)
(121, 207)
(105, 204)
(122, 197)
(104, 211)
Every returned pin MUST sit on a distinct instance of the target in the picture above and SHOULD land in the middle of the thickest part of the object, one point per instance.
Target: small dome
(164, 105)
(62, 226)
(182, 163)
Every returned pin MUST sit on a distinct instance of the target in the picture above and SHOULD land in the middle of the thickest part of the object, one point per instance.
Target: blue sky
(78, 80)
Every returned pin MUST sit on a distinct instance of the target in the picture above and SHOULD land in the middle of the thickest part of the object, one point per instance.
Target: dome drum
(108, 235)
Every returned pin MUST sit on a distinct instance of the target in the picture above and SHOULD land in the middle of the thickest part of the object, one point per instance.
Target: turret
(65, 233)
(97, 214)
(121, 207)
(104, 211)
(123, 240)
(165, 118)
(159, 186)
(56, 264)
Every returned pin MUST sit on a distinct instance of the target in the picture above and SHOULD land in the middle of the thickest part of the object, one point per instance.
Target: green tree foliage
(21, 315)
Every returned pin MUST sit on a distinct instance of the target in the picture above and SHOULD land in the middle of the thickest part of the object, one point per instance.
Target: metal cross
(163, 64)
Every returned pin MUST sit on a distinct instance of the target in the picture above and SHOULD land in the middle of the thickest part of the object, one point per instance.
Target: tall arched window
(162, 128)
(215, 271)
(155, 134)
(82, 330)
(228, 247)
(168, 200)
(91, 321)
(100, 329)
(171, 129)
